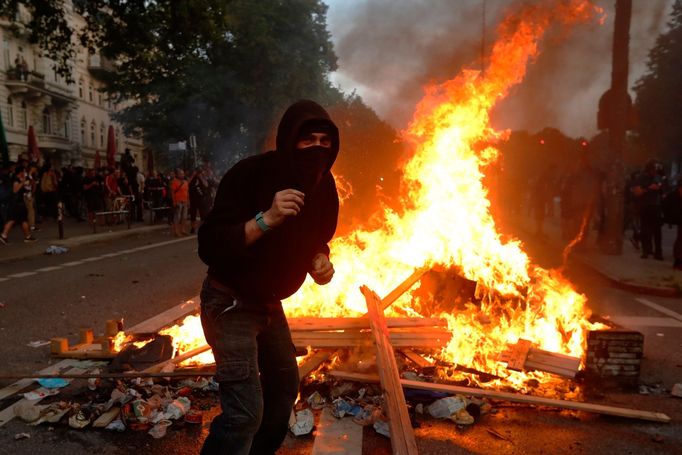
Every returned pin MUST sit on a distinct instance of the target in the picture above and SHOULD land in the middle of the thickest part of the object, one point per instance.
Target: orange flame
(446, 220)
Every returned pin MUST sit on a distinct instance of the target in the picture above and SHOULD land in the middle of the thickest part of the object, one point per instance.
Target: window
(83, 132)
(80, 87)
(23, 115)
(47, 127)
(10, 112)
(100, 99)
(101, 135)
(67, 126)
(92, 134)
(5, 53)
(90, 93)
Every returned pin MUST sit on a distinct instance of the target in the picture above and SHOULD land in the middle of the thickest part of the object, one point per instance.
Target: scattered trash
(28, 412)
(178, 408)
(52, 383)
(497, 434)
(194, 416)
(643, 390)
(316, 401)
(381, 427)
(462, 417)
(39, 395)
(80, 419)
(158, 431)
(54, 249)
(303, 423)
(676, 390)
(2, 305)
(446, 407)
(19, 436)
(116, 425)
(37, 344)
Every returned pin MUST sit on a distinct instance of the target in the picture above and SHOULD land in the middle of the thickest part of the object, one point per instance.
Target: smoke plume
(390, 49)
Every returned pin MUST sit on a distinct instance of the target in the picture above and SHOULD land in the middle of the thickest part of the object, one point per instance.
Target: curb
(656, 291)
(88, 239)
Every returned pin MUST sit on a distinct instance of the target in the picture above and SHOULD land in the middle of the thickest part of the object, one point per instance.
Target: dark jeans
(677, 246)
(256, 370)
(651, 230)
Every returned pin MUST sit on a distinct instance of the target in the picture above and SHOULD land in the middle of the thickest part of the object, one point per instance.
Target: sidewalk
(628, 270)
(75, 234)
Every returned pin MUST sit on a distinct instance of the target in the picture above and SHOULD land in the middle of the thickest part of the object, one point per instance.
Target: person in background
(92, 192)
(199, 198)
(648, 191)
(139, 195)
(17, 209)
(179, 189)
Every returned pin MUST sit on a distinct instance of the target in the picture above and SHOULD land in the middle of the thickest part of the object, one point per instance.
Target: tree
(659, 93)
(219, 69)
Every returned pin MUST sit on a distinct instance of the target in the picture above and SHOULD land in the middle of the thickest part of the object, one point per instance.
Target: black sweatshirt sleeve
(221, 237)
(330, 215)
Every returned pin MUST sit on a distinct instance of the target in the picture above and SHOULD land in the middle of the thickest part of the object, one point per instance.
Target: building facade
(71, 120)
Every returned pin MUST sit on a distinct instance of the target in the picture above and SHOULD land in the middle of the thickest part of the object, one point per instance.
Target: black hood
(296, 117)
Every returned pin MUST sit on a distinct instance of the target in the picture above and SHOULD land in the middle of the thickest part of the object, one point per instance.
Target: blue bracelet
(261, 222)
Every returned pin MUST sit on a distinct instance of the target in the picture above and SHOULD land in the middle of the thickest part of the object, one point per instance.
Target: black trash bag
(131, 358)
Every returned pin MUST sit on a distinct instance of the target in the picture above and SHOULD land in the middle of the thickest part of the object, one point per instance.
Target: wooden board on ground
(523, 357)
(424, 337)
(165, 319)
(416, 358)
(313, 361)
(317, 324)
(7, 414)
(337, 436)
(402, 435)
(106, 418)
(514, 397)
(24, 383)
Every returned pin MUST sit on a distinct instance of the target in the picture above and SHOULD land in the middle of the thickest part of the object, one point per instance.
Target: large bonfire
(446, 221)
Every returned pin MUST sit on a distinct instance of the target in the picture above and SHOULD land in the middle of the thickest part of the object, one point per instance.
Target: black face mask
(309, 165)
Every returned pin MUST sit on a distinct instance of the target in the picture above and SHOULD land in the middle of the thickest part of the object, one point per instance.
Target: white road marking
(645, 321)
(95, 258)
(660, 308)
(21, 275)
(49, 269)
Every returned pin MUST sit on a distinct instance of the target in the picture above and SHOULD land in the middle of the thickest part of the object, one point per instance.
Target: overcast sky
(389, 49)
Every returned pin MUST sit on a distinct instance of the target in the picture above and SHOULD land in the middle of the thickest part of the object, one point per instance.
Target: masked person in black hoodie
(272, 218)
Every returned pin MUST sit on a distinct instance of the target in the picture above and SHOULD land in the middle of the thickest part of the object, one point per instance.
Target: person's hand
(286, 203)
(323, 270)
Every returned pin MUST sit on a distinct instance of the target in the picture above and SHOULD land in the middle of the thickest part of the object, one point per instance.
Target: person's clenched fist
(322, 269)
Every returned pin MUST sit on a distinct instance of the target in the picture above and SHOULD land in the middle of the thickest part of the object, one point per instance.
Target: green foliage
(219, 69)
(659, 93)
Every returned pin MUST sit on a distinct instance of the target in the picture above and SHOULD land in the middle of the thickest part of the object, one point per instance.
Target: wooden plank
(337, 436)
(7, 414)
(312, 362)
(402, 288)
(167, 318)
(402, 435)
(177, 359)
(434, 340)
(416, 358)
(317, 324)
(106, 418)
(24, 383)
(549, 362)
(518, 354)
(515, 398)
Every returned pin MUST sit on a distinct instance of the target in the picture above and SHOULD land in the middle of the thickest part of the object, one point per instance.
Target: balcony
(32, 84)
(54, 141)
(99, 65)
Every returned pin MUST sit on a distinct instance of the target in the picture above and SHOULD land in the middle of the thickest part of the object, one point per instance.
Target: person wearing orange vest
(180, 195)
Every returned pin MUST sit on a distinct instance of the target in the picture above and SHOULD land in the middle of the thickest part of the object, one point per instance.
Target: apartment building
(71, 120)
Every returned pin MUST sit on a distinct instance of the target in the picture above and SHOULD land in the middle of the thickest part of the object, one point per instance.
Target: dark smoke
(389, 49)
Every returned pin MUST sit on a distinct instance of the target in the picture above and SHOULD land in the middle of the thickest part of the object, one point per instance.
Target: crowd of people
(31, 192)
(651, 200)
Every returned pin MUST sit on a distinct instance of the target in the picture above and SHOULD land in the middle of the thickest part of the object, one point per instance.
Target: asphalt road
(138, 277)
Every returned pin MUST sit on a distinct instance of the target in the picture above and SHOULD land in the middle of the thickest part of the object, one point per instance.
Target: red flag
(98, 160)
(33, 150)
(111, 147)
